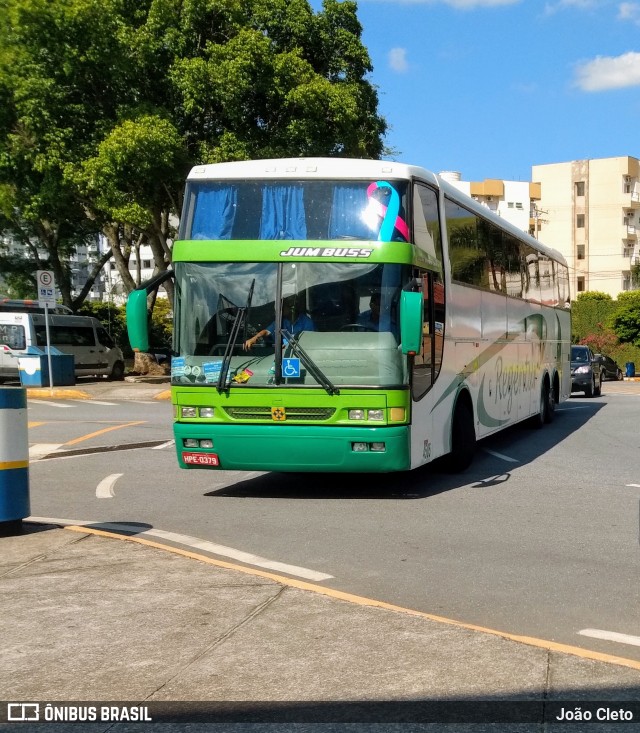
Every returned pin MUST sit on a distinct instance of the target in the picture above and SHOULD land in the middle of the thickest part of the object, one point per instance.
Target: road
(538, 538)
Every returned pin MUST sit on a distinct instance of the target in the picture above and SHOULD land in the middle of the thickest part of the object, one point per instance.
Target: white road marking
(104, 490)
(195, 543)
(51, 404)
(501, 455)
(611, 636)
(168, 444)
(635, 486)
(96, 402)
(577, 407)
(38, 450)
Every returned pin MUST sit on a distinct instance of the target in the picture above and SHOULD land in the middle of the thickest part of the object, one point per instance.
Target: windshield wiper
(313, 368)
(236, 326)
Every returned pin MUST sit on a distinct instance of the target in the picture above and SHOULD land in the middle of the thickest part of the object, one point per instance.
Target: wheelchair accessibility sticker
(291, 368)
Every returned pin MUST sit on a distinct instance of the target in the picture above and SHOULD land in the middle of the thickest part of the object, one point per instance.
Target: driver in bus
(294, 319)
(370, 320)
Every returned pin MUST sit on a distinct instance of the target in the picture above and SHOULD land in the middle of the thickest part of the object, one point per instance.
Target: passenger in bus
(294, 319)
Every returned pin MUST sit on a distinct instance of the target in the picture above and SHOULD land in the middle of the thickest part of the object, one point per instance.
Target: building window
(580, 250)
(580, 221)
(146, 263)
(518, 204)
(510, 205)
(626, 280)
(581, 285)
(579, 188)
(627, 249)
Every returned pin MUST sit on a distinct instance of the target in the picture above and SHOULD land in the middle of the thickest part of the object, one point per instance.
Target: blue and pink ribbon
(390, 214)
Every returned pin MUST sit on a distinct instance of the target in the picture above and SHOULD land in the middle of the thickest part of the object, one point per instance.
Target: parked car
(586, 372)
(610, 370)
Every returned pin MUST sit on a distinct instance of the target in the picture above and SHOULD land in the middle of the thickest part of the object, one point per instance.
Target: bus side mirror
(137, 320)
(411, 317)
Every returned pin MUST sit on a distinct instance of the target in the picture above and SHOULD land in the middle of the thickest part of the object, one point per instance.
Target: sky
(491, 87)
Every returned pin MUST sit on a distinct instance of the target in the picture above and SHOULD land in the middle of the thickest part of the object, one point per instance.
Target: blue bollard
(14, 456)
(630, 368)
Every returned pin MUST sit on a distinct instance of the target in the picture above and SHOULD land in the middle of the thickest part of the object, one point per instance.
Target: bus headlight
(188, 412)
(375, 414)
(356, 414)
(359, 447)
(206, 412)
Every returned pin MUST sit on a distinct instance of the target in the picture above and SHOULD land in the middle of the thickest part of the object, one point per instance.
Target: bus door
(426, 438)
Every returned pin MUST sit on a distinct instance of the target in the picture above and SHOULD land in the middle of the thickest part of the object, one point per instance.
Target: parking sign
(46, 288)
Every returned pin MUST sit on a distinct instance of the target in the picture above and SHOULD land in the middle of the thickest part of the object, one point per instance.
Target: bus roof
(355, 168)
(347, 168)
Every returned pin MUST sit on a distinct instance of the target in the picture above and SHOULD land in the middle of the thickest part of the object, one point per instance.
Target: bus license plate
(201, 459)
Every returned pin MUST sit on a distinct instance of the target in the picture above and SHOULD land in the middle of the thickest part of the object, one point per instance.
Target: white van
(93, 349)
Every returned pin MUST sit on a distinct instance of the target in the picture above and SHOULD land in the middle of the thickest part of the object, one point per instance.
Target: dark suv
(586, 372)
(610, 370)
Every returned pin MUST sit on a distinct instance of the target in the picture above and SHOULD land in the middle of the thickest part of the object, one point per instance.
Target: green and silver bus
(353, 316)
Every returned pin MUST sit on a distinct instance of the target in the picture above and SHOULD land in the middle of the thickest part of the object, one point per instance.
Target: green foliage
(625, 321)
(161, 330)
(592, 295)
(590, 314)
(608, 326)
(134, 165)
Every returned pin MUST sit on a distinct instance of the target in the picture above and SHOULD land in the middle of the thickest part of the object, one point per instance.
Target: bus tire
(547, 406)
(463, 440)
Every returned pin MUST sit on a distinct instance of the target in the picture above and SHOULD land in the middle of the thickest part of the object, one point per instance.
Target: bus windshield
(295, 210)
(343, 316)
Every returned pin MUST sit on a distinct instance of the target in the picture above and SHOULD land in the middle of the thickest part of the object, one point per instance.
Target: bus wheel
(463, 440)
(547, 406)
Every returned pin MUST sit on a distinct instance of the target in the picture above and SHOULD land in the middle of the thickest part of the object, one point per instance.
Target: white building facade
(592, 216)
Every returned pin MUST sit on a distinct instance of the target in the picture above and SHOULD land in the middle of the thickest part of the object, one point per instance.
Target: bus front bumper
(294, 448)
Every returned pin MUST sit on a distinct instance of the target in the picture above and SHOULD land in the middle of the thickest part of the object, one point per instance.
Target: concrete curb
(43, 393)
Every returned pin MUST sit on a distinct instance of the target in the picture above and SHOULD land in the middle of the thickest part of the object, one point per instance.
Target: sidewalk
(89, 615)
(131, 388)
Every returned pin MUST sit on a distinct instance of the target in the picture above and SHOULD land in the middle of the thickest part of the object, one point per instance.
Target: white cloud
(398, 60)
(607, 72)
(551, 8)
(629, 11)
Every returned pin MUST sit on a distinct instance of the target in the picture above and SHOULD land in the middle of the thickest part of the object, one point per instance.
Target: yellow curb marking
(8, 465)
(46, 393)
(164, 395)
(362, 601)
(104, 430)
(35, 424)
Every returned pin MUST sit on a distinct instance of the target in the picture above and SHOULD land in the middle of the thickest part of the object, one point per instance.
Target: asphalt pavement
(110, 628)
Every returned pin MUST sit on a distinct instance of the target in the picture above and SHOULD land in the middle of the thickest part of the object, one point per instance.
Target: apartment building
(514, 201)
(590, 212)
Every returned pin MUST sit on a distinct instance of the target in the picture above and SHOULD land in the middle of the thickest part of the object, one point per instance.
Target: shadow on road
(522, 443)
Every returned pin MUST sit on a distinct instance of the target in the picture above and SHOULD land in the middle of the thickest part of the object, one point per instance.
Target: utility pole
(535, 211)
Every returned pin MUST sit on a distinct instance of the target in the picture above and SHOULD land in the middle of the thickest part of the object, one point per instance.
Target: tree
(106, 104)
(625, 320)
